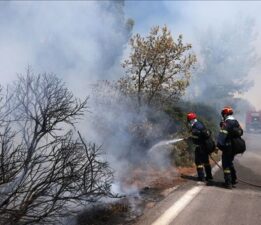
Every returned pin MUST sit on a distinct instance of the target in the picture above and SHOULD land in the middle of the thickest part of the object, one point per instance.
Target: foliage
(158, 67)
(183, 153)
(128, 132)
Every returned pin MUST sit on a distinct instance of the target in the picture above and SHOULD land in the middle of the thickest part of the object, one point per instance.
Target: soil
(187, 170)
(153, 185)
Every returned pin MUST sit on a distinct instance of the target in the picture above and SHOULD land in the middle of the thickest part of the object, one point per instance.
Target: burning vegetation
(47, 169)
(49, 172)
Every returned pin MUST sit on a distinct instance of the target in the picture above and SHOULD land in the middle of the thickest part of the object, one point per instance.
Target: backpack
(205, 134)
(236, 132)
(235, 129)
(209, 145)
(238, 145)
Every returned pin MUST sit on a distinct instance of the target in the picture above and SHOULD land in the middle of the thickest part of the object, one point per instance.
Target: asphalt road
(197, 204)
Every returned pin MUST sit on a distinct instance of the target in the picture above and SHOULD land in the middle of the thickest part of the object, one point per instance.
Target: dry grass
(149, 176)
(106, 214)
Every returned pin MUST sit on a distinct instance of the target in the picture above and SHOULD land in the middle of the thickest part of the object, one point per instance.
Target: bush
(183, 152)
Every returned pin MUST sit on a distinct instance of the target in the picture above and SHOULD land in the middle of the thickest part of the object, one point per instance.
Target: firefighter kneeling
(230, 143)
(205, 146)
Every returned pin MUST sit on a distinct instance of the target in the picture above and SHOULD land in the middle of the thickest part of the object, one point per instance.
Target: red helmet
(191, 116)
(226, 111)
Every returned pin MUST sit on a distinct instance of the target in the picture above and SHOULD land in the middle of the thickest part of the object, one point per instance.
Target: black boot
(233, 176)
(228, 179)
(209, 176)
(201, 175)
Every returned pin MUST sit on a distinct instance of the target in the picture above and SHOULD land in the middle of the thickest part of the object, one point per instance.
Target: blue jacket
(196, 129)
(224, 138)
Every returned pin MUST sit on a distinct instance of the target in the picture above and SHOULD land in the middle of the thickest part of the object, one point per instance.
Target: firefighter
(199, 136)
(224, 143)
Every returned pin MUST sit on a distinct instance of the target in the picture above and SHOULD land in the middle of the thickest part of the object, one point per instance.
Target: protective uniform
(201, 155)
(224, 144)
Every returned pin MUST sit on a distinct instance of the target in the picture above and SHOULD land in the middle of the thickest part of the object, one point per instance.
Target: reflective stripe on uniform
(227, 171)
(224, 131)
(199, 166)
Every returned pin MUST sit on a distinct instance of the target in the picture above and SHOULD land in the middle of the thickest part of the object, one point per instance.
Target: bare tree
(158, 68)
(45, 169)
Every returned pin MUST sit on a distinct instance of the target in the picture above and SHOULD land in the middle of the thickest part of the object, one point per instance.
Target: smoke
(228, 58)
(126, 133)
(79, 41)
(229, 29)
(159, 152)
(83, 42)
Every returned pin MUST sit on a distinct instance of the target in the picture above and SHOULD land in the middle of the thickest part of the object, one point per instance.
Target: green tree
(158, 68)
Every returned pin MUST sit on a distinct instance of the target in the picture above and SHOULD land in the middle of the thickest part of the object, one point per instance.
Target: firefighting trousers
(202, 163)
(230, 175)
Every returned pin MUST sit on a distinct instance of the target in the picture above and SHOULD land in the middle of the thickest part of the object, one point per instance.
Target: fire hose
(239, 179)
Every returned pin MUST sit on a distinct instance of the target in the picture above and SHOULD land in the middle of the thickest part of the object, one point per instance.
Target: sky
(192, 18)
(84, 41)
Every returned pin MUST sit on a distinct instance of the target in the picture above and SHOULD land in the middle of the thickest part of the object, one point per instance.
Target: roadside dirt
(152, 184)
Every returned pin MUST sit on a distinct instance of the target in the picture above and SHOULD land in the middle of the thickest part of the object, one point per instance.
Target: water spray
(162, 143)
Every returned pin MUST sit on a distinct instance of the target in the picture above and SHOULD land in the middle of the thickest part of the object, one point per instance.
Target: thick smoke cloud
(127, 133)
(79, 41)
(195, 20)
(83, 42)
(228, 58)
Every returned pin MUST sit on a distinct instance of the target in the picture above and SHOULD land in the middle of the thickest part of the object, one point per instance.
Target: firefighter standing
(224, 143)
(200, 135)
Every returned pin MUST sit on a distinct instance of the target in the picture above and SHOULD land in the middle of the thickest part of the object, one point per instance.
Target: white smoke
(82, 42)
(126, 131)
(79, 41)
(194, 19)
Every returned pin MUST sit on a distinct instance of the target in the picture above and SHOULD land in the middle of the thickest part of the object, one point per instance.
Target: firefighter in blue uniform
(224, 143)
(201, 155)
